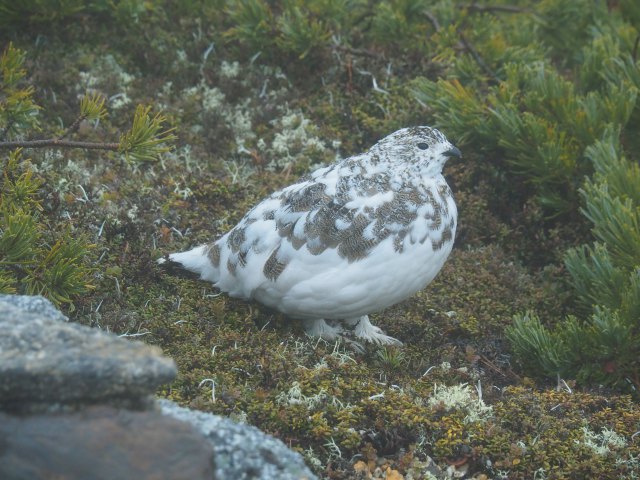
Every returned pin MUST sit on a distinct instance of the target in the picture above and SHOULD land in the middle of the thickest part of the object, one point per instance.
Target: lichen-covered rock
(102, 443)
(46, 364)
(242, 451)
(34, 304)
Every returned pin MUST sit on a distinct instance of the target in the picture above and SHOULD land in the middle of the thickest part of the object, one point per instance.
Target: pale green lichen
(108, 76)
(229, 69)
(294, 396)
(312, 459)
(631, 464)
(212, 98)
(296, 139)
(601, 443)
(463, 398)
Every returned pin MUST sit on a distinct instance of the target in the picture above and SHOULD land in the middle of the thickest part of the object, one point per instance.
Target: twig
(359, 52)
(476, 56)
(495, 368)
(55, 142)
(73, 127)
(432, 20)
(493, 8)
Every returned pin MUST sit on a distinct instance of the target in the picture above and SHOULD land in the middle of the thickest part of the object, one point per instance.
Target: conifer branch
(73, 128)
(145, 141)
(492, 8)
(91, 108)
(60, 143)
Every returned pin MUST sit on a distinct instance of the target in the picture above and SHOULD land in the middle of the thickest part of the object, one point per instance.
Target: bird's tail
(196, 260)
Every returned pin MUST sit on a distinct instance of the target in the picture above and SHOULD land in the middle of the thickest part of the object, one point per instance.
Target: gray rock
(53, 377)
(46, 364)
(242, 452)
(102, 443)
(34, 304)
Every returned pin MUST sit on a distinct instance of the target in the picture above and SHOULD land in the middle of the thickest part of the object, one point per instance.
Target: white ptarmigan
(344, 241)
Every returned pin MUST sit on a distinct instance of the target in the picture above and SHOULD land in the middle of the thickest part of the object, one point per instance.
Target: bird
(344, 241)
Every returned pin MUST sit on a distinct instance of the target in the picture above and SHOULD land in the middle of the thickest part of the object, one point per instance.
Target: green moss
(548, 425)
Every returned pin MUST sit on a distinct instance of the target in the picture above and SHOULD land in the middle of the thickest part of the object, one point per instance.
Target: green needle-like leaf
(92, 106)
(147, 139)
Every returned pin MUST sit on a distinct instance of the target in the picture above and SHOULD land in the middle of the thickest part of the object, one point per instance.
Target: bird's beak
(453, 152)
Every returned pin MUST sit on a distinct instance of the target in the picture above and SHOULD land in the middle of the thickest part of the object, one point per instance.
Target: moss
(552, 435)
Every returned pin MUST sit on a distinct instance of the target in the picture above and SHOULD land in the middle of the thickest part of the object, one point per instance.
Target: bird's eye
(423, 146)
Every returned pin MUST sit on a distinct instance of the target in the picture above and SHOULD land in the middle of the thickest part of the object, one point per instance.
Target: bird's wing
(350, 212)
(335, 208)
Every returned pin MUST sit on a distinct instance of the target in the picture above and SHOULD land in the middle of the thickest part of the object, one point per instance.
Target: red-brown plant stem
(55, 142)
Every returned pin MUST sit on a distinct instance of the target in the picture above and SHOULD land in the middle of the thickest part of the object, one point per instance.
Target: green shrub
(504, 98)
(14, 13)
(253, 24)
(33, 259)
(18, 111)
(299, 29)
(604, 345)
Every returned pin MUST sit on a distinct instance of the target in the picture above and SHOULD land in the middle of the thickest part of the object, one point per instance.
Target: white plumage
(344, 241)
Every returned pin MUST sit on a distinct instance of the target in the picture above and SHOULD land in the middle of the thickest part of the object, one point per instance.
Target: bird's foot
(320, 328)
(365, 330)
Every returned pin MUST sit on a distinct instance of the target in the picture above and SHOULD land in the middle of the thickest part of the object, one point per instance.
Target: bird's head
(424, 149)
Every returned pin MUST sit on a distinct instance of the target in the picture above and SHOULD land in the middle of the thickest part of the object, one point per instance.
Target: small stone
(46, 364)
(242, 451)
(102, 443)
